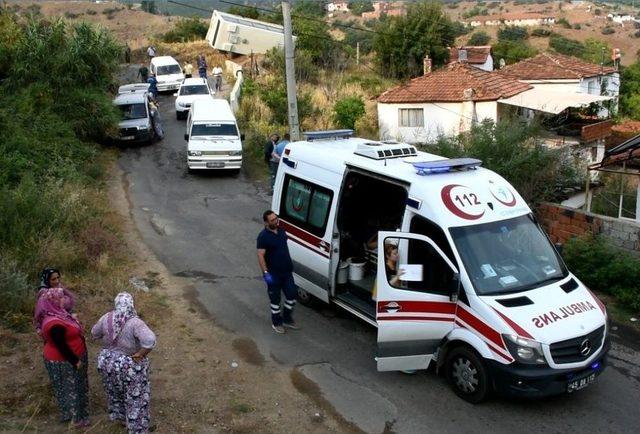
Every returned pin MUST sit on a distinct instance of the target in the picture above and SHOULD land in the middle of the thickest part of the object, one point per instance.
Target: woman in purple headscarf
(51, 278)
(65, 354)
(123, 363)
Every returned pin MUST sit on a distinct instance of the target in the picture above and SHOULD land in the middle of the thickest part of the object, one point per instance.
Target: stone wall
(563, 223)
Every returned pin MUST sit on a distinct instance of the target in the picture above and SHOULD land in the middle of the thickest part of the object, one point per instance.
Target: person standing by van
(202, 66)
(187, 69)
(151, 51)
(217, 78)
(268, 157)
(153, 85)
(277, 271)
(143, 73)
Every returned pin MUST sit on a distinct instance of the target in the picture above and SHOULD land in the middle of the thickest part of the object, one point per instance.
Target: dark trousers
(202, 72)
(273, 171)
(282, 282)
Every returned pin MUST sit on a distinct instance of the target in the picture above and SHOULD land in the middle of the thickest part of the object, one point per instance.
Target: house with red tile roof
(478, 56)
(554, 72)
(446, 101)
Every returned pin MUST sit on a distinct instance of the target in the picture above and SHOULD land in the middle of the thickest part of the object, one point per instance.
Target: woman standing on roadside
(123, 363)
(65, 353)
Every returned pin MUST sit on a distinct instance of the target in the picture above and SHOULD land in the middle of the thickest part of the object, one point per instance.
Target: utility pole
(357, 53)
(290, 72)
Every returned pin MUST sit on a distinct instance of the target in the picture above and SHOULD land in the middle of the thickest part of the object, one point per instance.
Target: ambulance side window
(305, 205)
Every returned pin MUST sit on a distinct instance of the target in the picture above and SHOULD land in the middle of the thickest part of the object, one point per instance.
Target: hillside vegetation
(54, 106)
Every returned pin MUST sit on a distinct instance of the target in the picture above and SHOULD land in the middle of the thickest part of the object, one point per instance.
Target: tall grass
(54, 105)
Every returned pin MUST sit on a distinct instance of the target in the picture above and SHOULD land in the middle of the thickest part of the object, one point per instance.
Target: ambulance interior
(368, 204)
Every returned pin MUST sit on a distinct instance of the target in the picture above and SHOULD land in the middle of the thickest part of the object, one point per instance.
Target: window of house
(411, 117)
(305, 205)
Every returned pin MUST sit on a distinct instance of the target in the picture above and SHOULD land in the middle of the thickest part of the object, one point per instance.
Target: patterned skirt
(126, 383)
(71, 389)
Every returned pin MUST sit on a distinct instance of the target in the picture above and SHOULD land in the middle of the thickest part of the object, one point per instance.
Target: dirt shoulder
(204, 378)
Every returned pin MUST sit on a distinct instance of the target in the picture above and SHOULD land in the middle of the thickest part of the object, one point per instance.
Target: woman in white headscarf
(123, 363)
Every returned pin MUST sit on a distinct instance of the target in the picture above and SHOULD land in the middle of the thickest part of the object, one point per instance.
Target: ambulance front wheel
(468, 375)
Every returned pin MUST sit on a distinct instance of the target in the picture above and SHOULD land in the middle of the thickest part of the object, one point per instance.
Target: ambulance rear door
(416, 310)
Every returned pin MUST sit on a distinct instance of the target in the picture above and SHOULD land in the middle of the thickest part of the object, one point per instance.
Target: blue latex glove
(268, 278)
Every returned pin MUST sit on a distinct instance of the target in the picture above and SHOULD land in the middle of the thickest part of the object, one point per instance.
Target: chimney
(462, 55)
(426, 65)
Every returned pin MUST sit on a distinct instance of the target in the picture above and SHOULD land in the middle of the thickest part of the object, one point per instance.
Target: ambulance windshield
(508, 256)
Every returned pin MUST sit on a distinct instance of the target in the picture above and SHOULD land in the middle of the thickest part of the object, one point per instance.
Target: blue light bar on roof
(444, 166)
(328, 134)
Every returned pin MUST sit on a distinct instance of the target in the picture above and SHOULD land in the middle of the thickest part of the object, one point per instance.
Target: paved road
(204, 227)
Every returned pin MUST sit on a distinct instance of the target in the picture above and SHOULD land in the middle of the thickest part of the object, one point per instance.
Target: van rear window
(214, 130)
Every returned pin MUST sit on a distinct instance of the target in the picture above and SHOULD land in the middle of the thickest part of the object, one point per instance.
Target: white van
(213, 140)
(469, 280)
(168, 72)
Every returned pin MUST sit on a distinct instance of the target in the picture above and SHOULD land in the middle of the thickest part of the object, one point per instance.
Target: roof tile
(553, 66)
(448, 85)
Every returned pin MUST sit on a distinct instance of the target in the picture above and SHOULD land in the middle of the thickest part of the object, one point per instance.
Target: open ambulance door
(415, 302)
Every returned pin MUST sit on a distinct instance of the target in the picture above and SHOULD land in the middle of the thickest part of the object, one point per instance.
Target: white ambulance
(462, 276)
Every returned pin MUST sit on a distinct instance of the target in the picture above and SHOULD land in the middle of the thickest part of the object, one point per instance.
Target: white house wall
(439, 119)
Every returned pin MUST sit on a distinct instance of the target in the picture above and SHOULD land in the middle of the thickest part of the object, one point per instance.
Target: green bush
(479, 38)
(541, 32)
(608, 30)
(567, 46)
(605, 269)
(276, 99)
(563, 22)
(305, 69)
(53, 105)
(512, 51)
(347, 111)
(510, 148)
(513, 33)
(185, 30)
(630, 91)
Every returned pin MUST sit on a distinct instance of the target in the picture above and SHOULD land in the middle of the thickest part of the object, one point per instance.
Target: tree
(512, 51)
(513, 33)
(479, 38)
(149, 6)
(567, 46)
(187, 29)
(357, 7)
(401, 43)
(245, 11)
(511, 149)
(630, 91)
(347, 111)
(309, 8)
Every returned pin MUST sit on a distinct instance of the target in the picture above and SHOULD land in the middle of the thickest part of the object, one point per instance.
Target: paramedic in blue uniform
(277, 272)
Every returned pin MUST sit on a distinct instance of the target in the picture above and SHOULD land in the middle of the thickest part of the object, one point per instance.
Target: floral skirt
(71, 389)
(126, 383)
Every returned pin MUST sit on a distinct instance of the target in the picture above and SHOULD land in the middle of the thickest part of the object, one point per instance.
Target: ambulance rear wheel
(468, 375)
(304, 298)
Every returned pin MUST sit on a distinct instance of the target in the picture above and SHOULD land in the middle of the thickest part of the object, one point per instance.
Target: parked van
(213, 139)
(445, 258)
(168, 72)
(136, 122)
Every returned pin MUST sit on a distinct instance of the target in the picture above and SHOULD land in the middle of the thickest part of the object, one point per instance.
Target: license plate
(215, 164)
(581, 383)
(127, 137)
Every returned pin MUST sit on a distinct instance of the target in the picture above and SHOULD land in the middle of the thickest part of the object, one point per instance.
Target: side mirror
(456, 292)
(559, 247)
(186, 137)
(242, 137)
